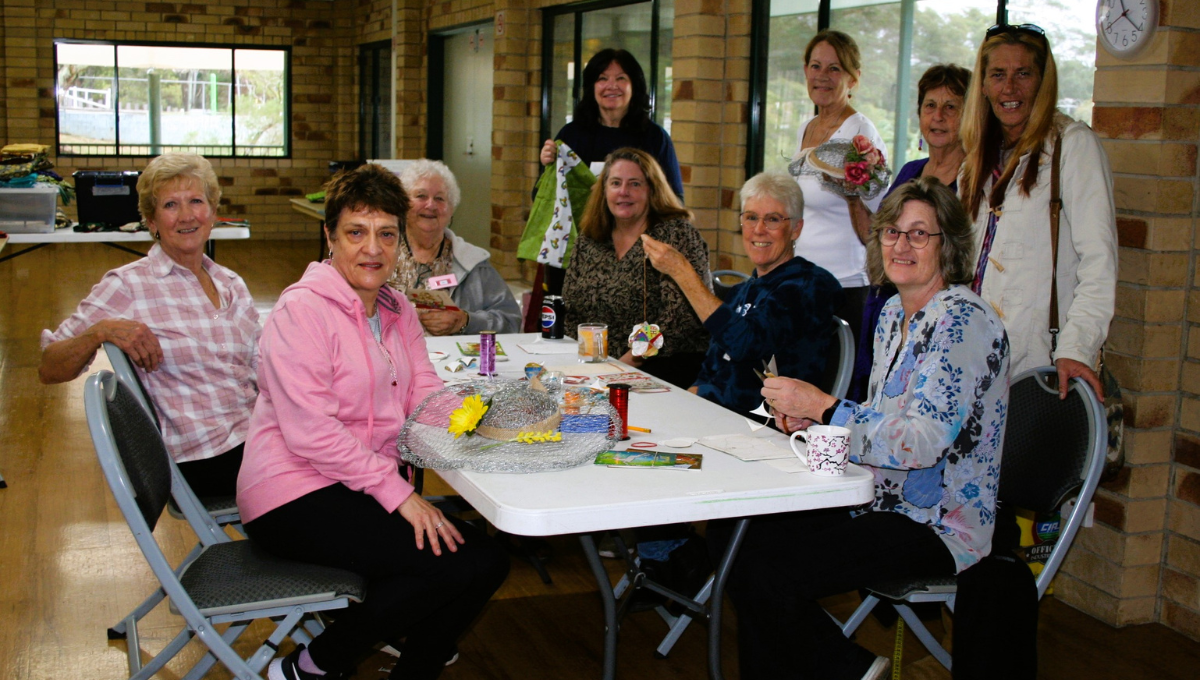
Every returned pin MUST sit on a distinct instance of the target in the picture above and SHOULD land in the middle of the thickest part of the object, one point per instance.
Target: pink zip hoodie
(327, 411)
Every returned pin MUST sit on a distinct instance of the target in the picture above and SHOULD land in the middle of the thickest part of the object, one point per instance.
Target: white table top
(594, 498)
(72, 236)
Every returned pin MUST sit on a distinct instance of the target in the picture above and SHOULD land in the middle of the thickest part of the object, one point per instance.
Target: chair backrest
(123, 367)
(839, 368)
(130, 448)
(725, 280)
(1053, 449)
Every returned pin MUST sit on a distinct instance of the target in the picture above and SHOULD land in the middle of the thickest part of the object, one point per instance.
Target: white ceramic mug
(828, 449)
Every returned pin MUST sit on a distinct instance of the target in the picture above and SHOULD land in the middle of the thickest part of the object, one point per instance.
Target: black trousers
(996, 612)
(788, 561)
(216, 476)
(429, 600)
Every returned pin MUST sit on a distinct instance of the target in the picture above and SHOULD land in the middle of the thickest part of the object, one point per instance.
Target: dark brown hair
(950, 76)
(368, 187)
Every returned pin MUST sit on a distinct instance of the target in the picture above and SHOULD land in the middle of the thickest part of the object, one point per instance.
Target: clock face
(1125, 27)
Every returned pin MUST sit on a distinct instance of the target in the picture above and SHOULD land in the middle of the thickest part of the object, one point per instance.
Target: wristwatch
(466, 322)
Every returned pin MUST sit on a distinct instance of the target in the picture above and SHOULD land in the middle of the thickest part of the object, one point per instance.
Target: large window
(145, 99)
(574, 33)
(918, 33)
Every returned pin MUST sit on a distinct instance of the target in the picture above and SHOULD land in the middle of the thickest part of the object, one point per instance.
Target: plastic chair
(230, 581)
(223, 510)
(835, 381)
(1053, 450)
(721, 288)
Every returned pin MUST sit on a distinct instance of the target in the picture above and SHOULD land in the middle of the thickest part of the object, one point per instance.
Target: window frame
(287, 98)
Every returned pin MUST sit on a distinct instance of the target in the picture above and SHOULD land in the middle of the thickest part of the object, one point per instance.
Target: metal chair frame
(944, 590)
(313, 589)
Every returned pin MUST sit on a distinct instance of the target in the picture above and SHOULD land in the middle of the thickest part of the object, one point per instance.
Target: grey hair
(956, 252)
(776, 185)
(424, 168)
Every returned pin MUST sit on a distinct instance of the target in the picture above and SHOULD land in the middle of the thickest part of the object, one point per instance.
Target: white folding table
(113, 239)
(590, 498)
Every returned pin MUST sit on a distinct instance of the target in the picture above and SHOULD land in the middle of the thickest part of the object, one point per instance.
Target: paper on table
(543, 346)
(745, 447)
(586, 369)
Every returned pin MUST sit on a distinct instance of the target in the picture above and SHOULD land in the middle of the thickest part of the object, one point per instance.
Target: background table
(114, 239)
(593, 498)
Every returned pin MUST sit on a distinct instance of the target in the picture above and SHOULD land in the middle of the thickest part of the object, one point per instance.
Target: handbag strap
(1055, 209)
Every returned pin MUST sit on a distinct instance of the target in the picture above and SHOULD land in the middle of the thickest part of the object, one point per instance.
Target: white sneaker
(879, 669)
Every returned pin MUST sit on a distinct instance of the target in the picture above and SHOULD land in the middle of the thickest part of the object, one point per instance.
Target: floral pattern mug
(828, 449)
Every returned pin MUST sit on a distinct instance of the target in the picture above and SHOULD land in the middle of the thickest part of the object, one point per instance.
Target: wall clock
(1126, 27)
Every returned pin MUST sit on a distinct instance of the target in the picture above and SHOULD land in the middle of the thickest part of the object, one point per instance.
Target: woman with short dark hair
(344, 363)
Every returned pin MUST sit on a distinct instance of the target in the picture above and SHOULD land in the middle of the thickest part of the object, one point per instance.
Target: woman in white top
(832, 66)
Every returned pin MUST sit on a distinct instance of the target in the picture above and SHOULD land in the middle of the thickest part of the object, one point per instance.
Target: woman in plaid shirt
(187, 323)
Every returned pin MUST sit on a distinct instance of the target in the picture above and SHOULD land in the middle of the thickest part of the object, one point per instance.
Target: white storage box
(28, 211)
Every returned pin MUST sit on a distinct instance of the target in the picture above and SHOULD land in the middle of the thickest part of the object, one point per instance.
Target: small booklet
(650, 459)
(471, 349)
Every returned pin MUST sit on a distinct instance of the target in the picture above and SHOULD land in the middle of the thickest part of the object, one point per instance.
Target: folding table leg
(718, 593)
(610, 605)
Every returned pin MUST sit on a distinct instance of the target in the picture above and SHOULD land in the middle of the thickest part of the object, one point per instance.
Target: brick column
(709, 115)
(1141, 562)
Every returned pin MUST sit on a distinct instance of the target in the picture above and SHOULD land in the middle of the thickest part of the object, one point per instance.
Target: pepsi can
(552, 317)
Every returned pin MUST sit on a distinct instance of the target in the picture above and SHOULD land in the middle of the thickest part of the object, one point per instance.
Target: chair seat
(902, 589)
(240, 576)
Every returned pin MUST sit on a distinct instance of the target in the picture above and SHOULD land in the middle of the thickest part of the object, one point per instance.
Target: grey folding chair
(230, 581)
(725, 280)
(1054, 453)
(222, 510)
(836, 380)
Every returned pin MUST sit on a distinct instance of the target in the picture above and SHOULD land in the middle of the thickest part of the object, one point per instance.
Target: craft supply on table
(679, 442)
(487, 353)
(746, 447)
(790, 465)
(645, 430)
(460, 364)
(437, 356)
(533, 370)
(638, 382)
(650, 460)
(471, 349)
(618, 396)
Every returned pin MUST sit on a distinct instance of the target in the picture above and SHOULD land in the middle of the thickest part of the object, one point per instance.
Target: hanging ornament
(646, 338)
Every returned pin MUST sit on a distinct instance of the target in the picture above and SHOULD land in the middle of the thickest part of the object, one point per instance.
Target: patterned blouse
(603, 289)
(933, 429)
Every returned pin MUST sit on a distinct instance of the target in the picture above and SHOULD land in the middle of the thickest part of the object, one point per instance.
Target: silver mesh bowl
(426, 442)
(828, 161)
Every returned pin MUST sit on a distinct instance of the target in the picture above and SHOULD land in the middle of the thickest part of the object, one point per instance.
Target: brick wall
(1141, 562)
(324, 119)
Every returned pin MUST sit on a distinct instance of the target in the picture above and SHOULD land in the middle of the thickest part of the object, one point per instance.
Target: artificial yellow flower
(537, 437)
(465, 419)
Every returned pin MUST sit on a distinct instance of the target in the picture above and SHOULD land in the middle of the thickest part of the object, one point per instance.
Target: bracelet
(466, 322)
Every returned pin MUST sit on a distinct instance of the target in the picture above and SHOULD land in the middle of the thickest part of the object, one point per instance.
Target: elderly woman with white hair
(430, 252)
(782, 314)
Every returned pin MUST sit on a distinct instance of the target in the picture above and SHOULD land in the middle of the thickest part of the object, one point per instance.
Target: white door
(467, 135)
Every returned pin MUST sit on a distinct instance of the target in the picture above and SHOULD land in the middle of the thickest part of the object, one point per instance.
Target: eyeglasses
(1001, 29)
(772, 221)
(917, 238)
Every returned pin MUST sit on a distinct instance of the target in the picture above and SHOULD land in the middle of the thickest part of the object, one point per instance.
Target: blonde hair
(981, 133)
(597, 222)
(169, 167)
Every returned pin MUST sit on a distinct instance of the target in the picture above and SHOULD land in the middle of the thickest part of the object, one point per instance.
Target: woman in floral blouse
(931, 432)
(610, 280)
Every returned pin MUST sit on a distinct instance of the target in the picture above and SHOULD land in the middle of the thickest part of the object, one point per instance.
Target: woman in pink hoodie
(342, 362)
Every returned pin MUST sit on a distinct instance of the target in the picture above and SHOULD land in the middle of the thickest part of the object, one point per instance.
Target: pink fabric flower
(858, 173)
(862, 144)
(873, 158)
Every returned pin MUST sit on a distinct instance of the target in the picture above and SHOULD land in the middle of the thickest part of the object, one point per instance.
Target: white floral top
(933, 429)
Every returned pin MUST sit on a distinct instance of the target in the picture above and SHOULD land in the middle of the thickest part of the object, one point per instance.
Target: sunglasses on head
(1001, 29)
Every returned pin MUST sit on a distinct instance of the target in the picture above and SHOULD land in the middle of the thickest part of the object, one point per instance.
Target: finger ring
(439, 525)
